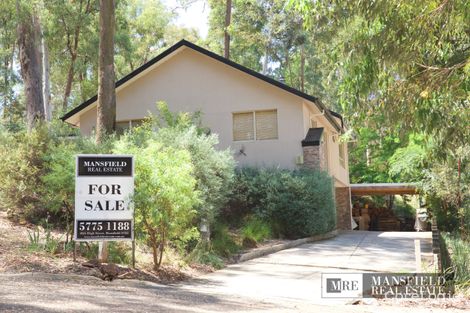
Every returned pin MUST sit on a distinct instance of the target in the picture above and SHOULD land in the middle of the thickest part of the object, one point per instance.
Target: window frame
(255, 137)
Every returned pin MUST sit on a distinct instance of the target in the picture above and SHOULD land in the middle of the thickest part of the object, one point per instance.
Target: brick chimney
(312, 145)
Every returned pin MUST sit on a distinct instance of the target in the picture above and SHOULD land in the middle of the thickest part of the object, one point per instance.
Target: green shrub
(213, 169)
(21, 169)
(222, 242)
(295, 203)
(165, 194)
(256, 229)
(119, 252)
(459, 250)
(402, 208)
(203, 254)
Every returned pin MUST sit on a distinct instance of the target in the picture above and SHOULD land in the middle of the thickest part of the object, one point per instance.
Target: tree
(407, 63)
(72, 18)
(141, 29)
(228, 16)
(8, 40)
(106, 115)
(29, 43)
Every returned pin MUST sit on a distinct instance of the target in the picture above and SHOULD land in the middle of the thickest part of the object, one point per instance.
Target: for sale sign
(104, 186)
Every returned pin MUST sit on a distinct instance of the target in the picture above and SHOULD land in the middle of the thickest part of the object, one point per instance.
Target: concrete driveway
(287, 281)
(295, 274)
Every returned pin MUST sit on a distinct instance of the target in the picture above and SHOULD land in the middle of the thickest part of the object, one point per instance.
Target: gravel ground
(45, 292)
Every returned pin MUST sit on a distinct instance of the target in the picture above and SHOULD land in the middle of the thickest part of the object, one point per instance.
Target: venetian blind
(243, 128)
(266, 125)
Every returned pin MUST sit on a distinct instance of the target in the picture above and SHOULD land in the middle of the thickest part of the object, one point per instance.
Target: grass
(48, 244)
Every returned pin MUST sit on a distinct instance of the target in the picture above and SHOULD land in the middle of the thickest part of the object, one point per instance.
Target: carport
(380, 218)
(383, 189)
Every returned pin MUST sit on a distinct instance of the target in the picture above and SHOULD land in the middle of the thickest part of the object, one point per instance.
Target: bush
(20, 172)
(203, 254)
(256, 230)
(295, 203)
(164, 195)
(213, 169)
(459, 250)
(222, 243)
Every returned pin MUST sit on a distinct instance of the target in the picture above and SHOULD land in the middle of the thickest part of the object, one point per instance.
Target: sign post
(104, 186)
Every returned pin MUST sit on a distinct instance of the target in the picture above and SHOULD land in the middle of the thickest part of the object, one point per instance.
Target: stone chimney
(312, 145)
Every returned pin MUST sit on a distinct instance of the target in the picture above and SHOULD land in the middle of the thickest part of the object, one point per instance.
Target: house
(265, 122)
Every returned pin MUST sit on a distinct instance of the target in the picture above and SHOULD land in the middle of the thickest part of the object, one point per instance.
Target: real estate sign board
(104, 186)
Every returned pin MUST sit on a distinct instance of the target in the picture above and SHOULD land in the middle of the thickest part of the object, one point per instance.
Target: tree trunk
(46, 89)
(106, 115)
(106, 110)
(265, 60)
(228, 16)
(68, 85)
(302, 68)
(30, 62)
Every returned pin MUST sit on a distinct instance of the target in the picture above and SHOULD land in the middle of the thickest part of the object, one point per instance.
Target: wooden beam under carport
(383, 189)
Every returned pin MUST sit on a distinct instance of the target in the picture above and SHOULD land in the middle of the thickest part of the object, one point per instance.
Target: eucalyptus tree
(29, 38)
(70, 25)
(8, 76)
(106, 109)
(408, 62)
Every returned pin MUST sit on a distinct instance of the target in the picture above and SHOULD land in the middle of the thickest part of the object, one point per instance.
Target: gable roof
(185, 43)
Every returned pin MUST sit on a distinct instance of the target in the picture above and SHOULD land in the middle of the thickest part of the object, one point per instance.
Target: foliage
(119, 252)
(21, 170)
(448, 192)
(406, 163)
(164, 193)
(222, 242)
(59, 178)
(459, 249)
(256, 229)
(49, 244)
(405, 63)
(296, 203)
(205, 255)
(402, 208)
(180, 177)
(70, 32)
(212, 169)
(34, 238)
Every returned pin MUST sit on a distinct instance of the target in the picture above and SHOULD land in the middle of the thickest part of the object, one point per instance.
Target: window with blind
(257, 125)
(123, 126)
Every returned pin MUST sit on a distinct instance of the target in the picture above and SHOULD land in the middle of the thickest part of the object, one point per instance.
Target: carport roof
(384, 189)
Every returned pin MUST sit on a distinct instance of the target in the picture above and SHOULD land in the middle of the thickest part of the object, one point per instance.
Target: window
(123, 126)
(257, 125)
(342, 154)
(243, 126)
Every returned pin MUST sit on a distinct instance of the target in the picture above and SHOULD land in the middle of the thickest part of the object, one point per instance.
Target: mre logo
(341, 285)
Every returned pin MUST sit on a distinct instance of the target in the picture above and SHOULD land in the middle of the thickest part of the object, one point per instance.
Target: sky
(196, 15)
